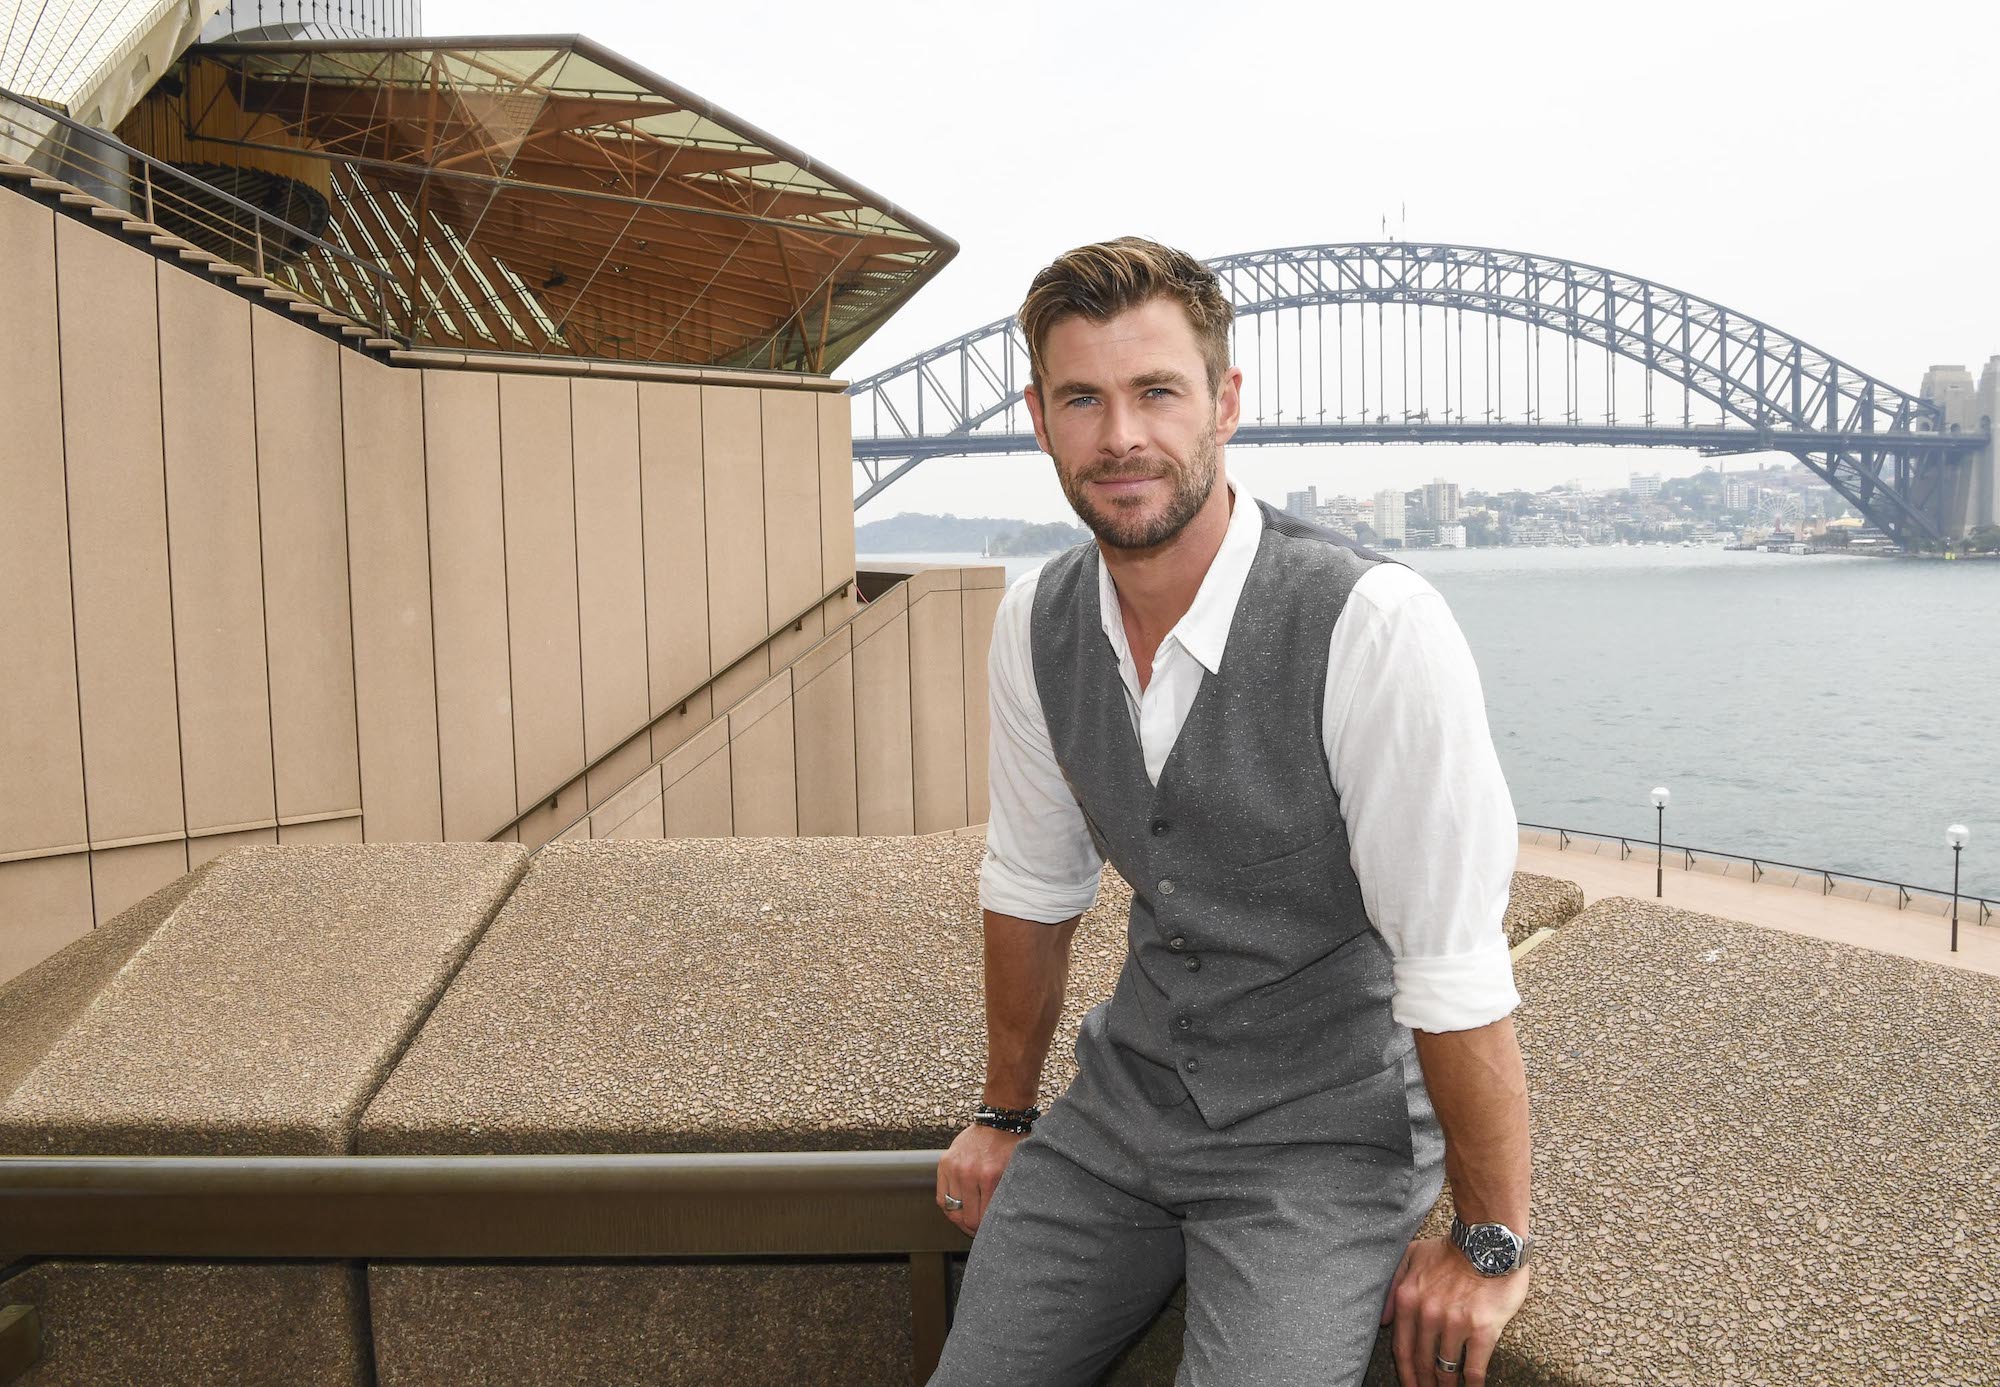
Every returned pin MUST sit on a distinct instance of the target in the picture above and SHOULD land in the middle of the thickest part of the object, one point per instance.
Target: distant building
(1389, 519)
(1451, 536)
(1302, 505)
(1441, 502)
(1645, 485)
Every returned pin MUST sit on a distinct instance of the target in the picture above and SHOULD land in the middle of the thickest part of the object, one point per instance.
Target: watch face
(1492, 1250)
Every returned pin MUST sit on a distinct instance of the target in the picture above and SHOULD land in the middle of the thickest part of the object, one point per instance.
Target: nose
(1122, 434)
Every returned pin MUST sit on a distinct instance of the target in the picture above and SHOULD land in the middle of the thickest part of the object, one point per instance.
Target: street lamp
(1956, 836)
(1660, 843)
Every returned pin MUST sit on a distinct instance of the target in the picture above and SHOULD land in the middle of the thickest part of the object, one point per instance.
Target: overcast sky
(1830, 167)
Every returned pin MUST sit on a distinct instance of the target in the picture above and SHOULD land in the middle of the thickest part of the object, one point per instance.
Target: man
(1279, 739)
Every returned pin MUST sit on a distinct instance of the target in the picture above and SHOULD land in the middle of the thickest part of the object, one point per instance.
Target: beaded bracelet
(1019, 1121)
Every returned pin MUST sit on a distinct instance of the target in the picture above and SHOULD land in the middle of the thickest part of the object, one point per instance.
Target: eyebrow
(1144, 381)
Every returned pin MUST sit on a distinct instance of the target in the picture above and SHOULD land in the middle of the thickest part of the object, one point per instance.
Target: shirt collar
(1203, 630)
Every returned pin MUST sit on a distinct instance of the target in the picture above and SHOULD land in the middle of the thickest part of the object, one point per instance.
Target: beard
(1119, 525)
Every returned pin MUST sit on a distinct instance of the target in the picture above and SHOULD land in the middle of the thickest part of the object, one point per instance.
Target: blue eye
(1159, 390)
(1081, 400)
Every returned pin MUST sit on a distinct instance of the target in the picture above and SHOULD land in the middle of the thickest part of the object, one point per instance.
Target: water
(1833, 712)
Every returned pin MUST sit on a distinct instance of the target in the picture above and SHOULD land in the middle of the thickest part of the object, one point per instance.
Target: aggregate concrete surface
(736, 995)
(1759, 1158)
(195, 1324)
(40, 1004)
(262, 1013)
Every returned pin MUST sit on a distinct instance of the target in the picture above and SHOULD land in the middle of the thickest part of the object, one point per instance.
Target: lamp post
(1956, 836)
(1660, 843)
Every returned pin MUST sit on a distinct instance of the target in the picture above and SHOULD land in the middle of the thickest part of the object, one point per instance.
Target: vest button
(1177, 942)
(1166, 888)
(1191, 1064)
(1159, 828)
(1184, 1023)
(1194, 965)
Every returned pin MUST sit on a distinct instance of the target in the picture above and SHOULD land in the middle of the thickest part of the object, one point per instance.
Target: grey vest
(1252, 975)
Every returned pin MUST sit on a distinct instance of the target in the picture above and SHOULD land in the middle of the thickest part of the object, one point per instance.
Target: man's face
(1125, 411)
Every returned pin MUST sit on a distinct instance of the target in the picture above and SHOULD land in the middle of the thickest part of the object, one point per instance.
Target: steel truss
(1762, 389)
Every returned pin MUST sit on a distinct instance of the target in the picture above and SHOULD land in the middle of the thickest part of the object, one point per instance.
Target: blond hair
(1101, 281)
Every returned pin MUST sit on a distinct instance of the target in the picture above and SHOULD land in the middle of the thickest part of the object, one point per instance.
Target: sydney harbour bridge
(1397, 342)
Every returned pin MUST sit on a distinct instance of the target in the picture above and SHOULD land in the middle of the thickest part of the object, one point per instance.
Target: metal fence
(169, 201)
(1828, 879)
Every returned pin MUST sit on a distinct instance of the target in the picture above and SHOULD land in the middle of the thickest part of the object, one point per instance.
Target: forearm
(1480, 1092)
(1027, 968)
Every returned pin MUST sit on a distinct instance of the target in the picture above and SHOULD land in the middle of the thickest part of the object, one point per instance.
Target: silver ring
(953, 1204)
(1445, 1365)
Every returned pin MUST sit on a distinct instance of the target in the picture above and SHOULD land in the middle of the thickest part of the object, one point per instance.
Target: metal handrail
(1827, 876)
(157, 179)
(858, 1204)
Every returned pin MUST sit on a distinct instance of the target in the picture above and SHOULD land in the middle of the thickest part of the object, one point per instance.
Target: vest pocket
(1266, 870)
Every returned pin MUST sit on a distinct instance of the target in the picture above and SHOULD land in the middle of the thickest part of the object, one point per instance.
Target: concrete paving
(1917, 932)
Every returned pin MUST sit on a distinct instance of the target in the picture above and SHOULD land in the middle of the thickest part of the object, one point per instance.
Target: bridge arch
(1878, 445)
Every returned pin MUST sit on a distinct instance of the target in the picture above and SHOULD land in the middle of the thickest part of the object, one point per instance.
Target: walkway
(1911, 933)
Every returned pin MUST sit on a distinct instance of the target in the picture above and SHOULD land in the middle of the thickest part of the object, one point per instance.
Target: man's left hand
(1442, 1308)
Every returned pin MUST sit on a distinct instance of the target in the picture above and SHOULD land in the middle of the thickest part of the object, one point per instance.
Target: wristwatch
(1494, 1249)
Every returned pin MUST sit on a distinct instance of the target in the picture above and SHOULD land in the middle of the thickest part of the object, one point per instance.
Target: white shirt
(1430, 823)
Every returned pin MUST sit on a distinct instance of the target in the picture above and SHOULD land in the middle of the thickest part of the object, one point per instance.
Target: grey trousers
(1288, 1227)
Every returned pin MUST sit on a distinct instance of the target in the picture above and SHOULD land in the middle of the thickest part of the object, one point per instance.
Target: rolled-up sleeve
(1040, 862)
(1431, 828)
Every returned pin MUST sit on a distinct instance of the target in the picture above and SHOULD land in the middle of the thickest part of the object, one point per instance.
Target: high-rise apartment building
(1390, 519)
(1645, 485)
(1303, 505)
(1441, 502)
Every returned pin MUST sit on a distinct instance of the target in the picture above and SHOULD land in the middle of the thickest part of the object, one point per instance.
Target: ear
(1033, 397)
(1228, 405)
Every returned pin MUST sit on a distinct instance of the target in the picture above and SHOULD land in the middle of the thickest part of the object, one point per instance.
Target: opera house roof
(530, 195)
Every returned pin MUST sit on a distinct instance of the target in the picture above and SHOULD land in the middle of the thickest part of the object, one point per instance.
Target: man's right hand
(970, 1171)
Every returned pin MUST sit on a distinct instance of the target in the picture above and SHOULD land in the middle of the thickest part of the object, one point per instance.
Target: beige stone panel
(937, 710)
(823, 710)
(986, 577)
(879, 613)
(798, 638)
(541, 582)
(300, 474)
(733, 492)
(321, 831)
(44, 904)
(395, 680)
(618, 769)
(763, 774)
(546, 818)
(978, 606)
(210, 846)
(695, 787)
(610, 563)
(680, 723)
(469, 602)
(882, 776)
(735, 683)
(670, 475)
(627, 802)
(39, 743)
(121, 877)
(118, 534)
(644, 824)
(215, 542)
(838, 644)
(836, 489)
(792, 520)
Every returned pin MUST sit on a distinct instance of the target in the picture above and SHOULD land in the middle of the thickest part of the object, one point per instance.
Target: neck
(1156, 586)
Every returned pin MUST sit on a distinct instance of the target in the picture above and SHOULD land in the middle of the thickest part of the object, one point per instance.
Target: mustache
(1128, 473)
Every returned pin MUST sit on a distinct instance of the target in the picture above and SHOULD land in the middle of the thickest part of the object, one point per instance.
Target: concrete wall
(879, 727)
(263, 589)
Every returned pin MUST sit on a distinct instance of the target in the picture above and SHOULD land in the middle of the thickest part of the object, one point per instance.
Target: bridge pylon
(1967, 493)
